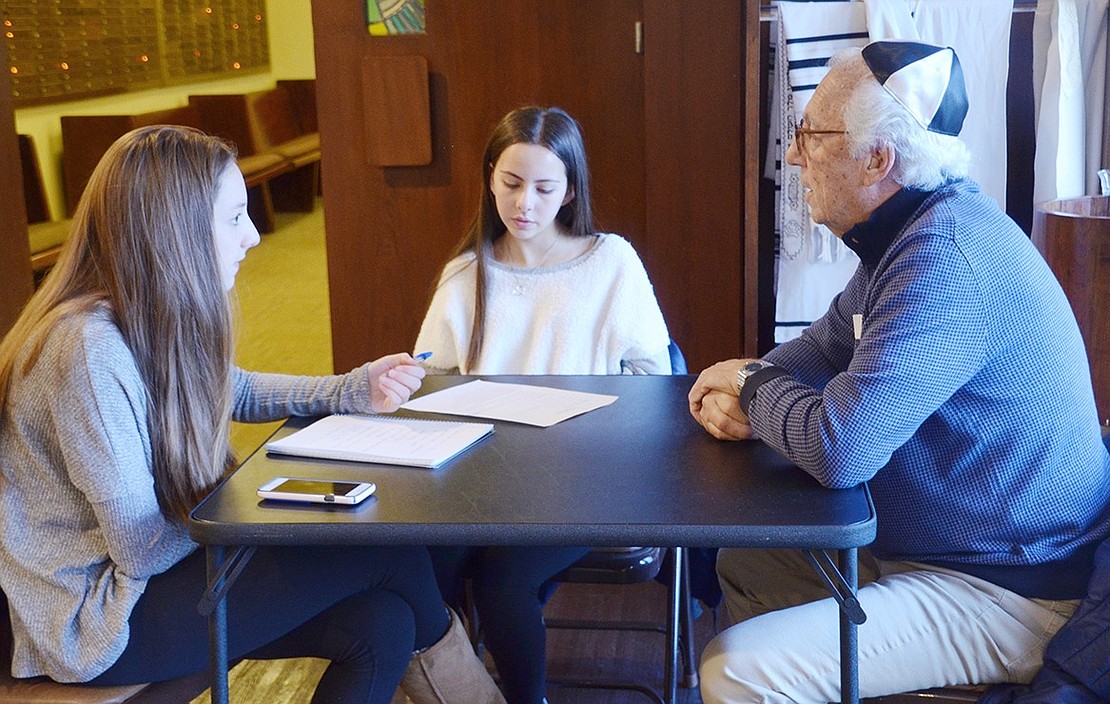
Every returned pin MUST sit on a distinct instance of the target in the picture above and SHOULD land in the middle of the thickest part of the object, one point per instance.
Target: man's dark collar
(871, 238)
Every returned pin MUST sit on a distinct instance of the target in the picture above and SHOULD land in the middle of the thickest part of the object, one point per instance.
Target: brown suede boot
(450, 672)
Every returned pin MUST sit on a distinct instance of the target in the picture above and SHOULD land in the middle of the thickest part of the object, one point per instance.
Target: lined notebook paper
(405, 441)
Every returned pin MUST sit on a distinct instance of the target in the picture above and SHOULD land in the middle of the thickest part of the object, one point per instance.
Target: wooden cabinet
(669, 126)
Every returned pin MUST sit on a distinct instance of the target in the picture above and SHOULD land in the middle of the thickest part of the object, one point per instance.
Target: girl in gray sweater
(116, 391)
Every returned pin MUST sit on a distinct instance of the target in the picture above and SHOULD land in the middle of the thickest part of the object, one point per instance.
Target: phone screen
(305, 486)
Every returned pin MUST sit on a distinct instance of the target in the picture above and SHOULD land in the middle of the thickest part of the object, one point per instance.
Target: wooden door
(701, 111)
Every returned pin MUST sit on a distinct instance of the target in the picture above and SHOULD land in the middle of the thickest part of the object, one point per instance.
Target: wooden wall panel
(697, 144)
(397, 116)
(390, 229)
(664, 130)
(15, 261)
(63, 51)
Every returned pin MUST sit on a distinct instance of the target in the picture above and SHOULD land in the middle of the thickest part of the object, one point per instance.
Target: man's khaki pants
(926, 627)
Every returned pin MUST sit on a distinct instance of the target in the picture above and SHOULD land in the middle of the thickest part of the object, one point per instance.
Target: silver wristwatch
(747, 370)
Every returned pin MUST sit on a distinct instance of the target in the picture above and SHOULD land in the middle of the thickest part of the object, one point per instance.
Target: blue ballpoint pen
(422, 356)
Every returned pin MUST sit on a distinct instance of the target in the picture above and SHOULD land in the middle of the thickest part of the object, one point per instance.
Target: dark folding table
(637, 472)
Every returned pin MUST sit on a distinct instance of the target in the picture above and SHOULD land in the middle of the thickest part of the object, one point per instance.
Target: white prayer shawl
(891, 19)
(812, 264)
(979, 31)
(1069, 88)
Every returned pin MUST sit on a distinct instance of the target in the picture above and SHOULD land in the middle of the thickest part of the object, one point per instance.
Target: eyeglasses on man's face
(802, 134)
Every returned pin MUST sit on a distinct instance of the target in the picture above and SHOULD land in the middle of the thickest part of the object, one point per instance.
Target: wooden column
(15, 254)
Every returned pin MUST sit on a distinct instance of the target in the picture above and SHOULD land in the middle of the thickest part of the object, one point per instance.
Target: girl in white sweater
(533, 288)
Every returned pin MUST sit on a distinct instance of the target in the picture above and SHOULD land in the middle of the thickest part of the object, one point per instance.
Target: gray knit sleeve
(260, 398)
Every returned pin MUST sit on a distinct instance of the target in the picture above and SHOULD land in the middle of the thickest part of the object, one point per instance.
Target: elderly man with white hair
(950, 374)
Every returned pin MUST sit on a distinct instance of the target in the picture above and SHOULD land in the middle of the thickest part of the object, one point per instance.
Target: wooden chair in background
(46, 235)
(85, 138)
(42, 690)
(632, 565)
(268, 122)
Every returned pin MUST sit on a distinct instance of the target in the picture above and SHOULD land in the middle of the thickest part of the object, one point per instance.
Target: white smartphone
(320, 491)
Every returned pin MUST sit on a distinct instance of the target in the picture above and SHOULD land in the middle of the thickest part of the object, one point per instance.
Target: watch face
(752, 367)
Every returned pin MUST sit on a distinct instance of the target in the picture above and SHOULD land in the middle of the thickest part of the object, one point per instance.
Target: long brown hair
(554, 129)
(142, 248)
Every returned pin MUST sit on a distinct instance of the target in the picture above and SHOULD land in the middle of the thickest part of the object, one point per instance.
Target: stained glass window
(385, 17)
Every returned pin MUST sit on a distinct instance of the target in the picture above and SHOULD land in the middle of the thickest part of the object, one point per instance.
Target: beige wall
(290, 29)
(291, 39)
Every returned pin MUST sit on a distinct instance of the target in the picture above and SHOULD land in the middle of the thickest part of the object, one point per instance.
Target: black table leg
(217, 627)
(842, 584)
(674, 611)
(221, 575)
(849, 636)
(686, 628)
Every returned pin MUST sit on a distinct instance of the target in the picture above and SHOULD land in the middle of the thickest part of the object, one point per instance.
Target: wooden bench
(85, 138)
(302, 95)
(271, 121)
(42, 690)
(46, 236)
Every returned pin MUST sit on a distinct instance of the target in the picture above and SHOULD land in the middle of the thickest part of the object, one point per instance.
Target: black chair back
(678, 362)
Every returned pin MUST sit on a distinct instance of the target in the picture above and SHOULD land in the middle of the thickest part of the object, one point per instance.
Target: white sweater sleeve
(642, 333)
(446, 329)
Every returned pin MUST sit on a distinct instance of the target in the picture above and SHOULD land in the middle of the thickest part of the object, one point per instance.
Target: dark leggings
(363, 608)
(509, 586)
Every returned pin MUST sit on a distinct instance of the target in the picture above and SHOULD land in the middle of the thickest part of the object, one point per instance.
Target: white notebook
(405, 441)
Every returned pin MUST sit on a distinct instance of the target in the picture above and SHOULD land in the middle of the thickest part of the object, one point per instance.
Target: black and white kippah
(927, 80)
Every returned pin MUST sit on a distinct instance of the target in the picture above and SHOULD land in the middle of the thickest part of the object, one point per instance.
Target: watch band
(755, 379)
